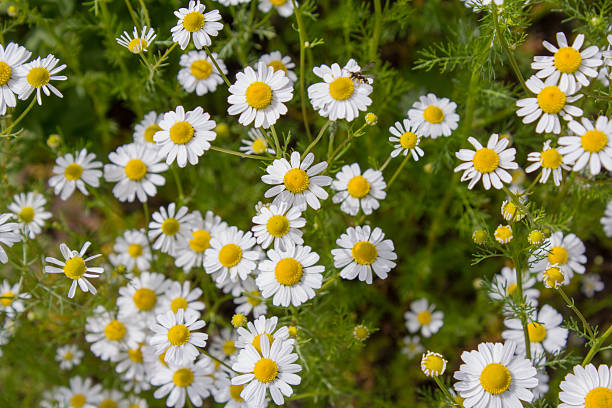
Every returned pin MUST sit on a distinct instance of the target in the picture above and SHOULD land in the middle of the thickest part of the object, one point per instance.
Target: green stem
(23, 114)
(163, 57)
(519, 294)
(386, 163)
(340, 146)
(240, 154)
(145, 12)
(329, 282)
(504, 44)
(302, 36)
(314, 142)
(533, 183)
(443, 388)
(179, 184)
(132, 14)
(227, 81)
(206, 353)
(376, 32)
(596, 346)
(572, 306)
(276, 143)
(397, 172)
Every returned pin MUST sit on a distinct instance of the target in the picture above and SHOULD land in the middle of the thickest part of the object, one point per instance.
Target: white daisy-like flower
(422, 318)
(357, 191)
(223, 345)
(363, 250)
(504, 285)
(259, 96)
(109, 334)
(278, 225)
(591, 283)
(81, 393)
(271, 370)
(146, 128)
(277, 61)
(258, 328)
(135, 401)
(29, 210)
(564, 251)
(545, 333)
(489, 163)
(572, 66)
(231, 253)
(591, 145)
(192, 21)
(606, 222)
(190, 252)
(135, 168)
(130, 364)
(37, 75)
(297, 182)
(405, 139)
(132, 251)
(75, 267)
(228, 394)
(411, 346)
(550, 160)
(551, 101)
(228, 286)
(290, 275)
(9, 235)
(135, 385)
(176, 336)
(511, 212)
(257, 143)
(283, 7)
(250, 301)
(69, 356)
(339, 96)
(11, 59)
(111, 398)
(434, 117)
(190, 379)
(503, 234)
(433, 364)
(587, 387)
(493, 376)
(199, 74)
(140, 297)
(553, 277)
(11, 299)
(167, 226)
(137, 43)
(185, 136)
(181, 296)
(75, 171)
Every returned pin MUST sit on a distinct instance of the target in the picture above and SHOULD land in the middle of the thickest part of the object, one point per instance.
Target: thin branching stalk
(314, 142)
(23, 114)
(571, 305)
(276, 143)
(506, 48)
(227, 81)
(240, 154)
(596, 346)
(376, 31)
(398, 170)
(302, 36)
(163, 57)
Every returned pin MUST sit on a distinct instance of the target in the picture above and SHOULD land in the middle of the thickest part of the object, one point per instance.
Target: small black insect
(361, 77)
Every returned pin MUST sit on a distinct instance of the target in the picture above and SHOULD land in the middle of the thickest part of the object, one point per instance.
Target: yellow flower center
(495, 378)
(277, 225)
(503, 233)
(278, 3)
(26, 215)
(178, 303)
(435, 364)
(433, 114)
(239, 320)
(536, 237)
(277, 65)
(554, 277)
(459, 400)
(551, 99)
(183, 377)
(136, 45)
(358, 187)
(162, 358)
(424, 318)
(73, 171)
(361, 332)
(178, 335)
(135, 355)
(558, 255)
(200, 241)
(408, 140)
(194, 21)
(259, 146)
(258, 95)
(5, 73)
(364, 252)
(68, 356)
(288, 271)
(38, 77)
(144, 299)
(135, 169)
(7, 298)
(235, 391)
(341, 88)
(78, 400)
(600, 397)
(75, 268)
(229, 347)
(150, 131)
(230, 255)
(257, 344)
(201, 69)
(551, 158)
(594, 141)
(537, 332)
(265, 370)
(170, 226)
(108, 404)
(181, 132)
(135, 250)
(511, 210)
(254, 298)
(568, 60)
(486, 160)
(511, 288)
(115, 330)
(296, 181)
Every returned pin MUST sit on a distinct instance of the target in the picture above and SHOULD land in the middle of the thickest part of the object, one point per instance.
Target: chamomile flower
(75, 267)
(136, 402)
(434, 117)
(297, 182)
(193, 22)
(279, 62)
(11, 59)
(81, 393)
(223, 345)
(259, 328)
(494, 376)
(550, 160)
(232, 254)
(503, 234)
(551, 100)
(69, 356)
(179, 381)
(283, 7)
(185, 136)
(37, 75)
(139, 298)
(146, 128)
(572, 66)
(228, 394)
(339, 96)
(131, 366)
(135, 168)
(422, 318)
(405, 139)
(257, 143)
(259, 96)
(433, 364)
(591, 145)
(606, 223)
(250, 300)
(587, 387)
(75, 171)
(564, 251)
(271, 370)
(137, 43)
(110, 334)
(511, 212)
(176, 336)
(11, 299)
(8, 235)
(111, 398)
(190, 251)
(167, 226)
(29, 210)
(489, 163)
(199, 73)
(290, 275)
(591, 283)
(357, 191)
(504, 284)
(411, 346)
(363, 250)
(132, 251)
(553, 277)
(181, 296)
(278, 225)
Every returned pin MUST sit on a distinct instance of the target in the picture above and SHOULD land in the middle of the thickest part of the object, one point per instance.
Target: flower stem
(132, 14)
(206, 353)
(443, 387)
(533, 183)
(397, 172)
(240, 154)
(163, 57)
(570, 303)
(376, 32)
(276, 143)
(23, 114)
(329, 282)
(385, 164)
(506, 48)
(519, 295)
(314, 142)
(596, 346)
(227, 81)
(302, 35)
(145, 12)
(179, 184)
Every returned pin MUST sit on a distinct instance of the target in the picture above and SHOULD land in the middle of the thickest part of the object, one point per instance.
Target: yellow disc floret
(229, 347)
(178, 303)
(230, 255)
(594, 141)
(535, 237)
(409, 140)
(135, 250)
(5, 73)
(433, 114)
(553, 277)
(38, 77)
(486, 160)
(178, 335)
(75, 267)
(135, 169)
(150, 131)
(495, 378)
(259, 146)
(78, 400)
(537, 332)
(181, 132)
(278, 66)
(201, 69)
(137, 45)
(277, 225)
(200, 241)
(170, 226)
(135, 355)
(558, 255)
(144, 299)
(364, 253)
(235, 391)
(288, 271)
(108, 404)
(183, 377)
(567, 60)
(194, 21)
(115, 330)
(239, 320)
(551, 99)
(599, 397)
(26, 215)
(296, 180)
(258, 95)
(73, 171)
(257, 341)
(358, 187)
(7, 298)
(551, 158)
(433, 365)
(265, 370)
(424, 318)
(341, 88)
